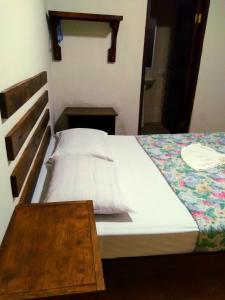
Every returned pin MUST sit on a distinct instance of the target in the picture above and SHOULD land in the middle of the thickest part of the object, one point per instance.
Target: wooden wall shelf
(56, 16)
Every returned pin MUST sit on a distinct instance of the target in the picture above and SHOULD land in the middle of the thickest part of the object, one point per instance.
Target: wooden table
(102, 118)
(51, 250)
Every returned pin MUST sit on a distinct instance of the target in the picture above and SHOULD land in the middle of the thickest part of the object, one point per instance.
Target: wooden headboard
(23, 177)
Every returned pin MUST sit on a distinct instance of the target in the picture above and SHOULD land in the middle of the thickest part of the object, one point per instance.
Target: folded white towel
(201, 157)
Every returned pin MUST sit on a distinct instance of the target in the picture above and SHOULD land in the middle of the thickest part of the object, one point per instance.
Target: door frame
(148, 14)
(193, 72)
(196, 53)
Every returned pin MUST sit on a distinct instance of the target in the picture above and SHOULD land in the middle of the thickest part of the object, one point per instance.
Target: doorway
(173, 44)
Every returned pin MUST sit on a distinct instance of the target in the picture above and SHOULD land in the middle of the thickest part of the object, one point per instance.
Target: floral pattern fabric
(202, 192)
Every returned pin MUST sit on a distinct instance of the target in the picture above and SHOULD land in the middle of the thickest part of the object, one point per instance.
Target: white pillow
(77, 177)
(83, 141)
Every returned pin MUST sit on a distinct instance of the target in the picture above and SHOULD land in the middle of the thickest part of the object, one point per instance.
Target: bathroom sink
(149, 81)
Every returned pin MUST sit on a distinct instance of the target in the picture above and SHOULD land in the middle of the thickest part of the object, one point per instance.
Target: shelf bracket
(56, 49)
(112, 51)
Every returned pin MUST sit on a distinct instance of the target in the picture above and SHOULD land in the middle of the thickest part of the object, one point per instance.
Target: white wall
(23, 53)
(209, 107)
(84, 78)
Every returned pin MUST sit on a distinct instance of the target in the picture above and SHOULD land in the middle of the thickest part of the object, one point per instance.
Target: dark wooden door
(184, 64)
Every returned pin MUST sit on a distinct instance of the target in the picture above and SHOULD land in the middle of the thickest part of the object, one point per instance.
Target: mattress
(43, 179)
(159, 224)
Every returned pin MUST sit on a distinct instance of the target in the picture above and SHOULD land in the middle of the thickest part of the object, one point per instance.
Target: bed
(179, 212)
(149, 233)
(136, 248)
(149, 230)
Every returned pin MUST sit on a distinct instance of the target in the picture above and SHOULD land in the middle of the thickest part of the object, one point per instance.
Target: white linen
(200, 157)
(42, 182)
(79, 177)
(160, 221)
(83, 141)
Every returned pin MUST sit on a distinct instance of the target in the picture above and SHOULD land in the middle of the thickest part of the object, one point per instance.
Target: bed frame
(24, 178)
(170, 277)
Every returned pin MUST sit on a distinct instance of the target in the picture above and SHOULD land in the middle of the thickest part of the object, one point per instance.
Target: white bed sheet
(160, 223)
(42, 179)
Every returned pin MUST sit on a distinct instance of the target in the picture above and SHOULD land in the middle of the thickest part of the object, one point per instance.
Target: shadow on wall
(61, 123)
(85, 29)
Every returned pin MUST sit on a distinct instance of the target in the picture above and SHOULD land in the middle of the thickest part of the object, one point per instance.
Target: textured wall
(209, 107)
(84, 78)
(23, 53)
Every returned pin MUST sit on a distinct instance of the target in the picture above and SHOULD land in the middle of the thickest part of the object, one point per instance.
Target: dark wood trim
(194, 276)
(90, 111)
(193, 72)
(148, 14)
(22, 168)
(65, 15)
(56, 16)
(100, 284)
(102, 118)
(14, 97)
(30, 185)
(114, 25)
(56, 49)
(17, 136)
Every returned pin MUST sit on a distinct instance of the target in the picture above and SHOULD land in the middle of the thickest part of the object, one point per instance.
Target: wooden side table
(51, 250)
(102, 118)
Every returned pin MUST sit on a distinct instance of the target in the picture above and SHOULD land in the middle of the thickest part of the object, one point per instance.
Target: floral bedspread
(202, 192)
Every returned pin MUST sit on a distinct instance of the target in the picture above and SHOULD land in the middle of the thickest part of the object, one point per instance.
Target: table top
(50, 250)
(90, 111)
